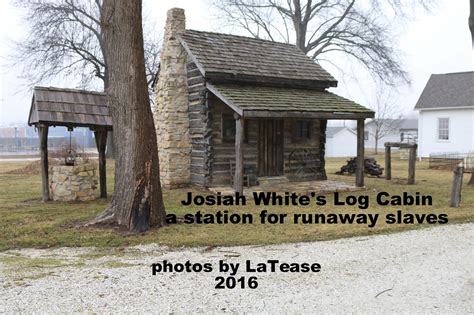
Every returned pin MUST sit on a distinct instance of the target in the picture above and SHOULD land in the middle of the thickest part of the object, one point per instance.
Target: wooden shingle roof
(70, 108)
(224, 57)
(263, 101)
(448, 90)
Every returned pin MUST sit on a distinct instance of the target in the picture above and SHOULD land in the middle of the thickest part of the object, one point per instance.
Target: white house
(446, 120)
(340, 141)
(394, 130)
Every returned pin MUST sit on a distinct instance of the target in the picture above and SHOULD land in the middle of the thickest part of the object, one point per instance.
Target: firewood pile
(371, 167)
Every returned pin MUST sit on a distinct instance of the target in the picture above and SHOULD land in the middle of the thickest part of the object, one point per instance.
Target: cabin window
(228, 129)
(443, 128)
(302, 129)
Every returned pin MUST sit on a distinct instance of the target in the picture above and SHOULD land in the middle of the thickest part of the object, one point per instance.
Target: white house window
(366, 135)
(443, 128)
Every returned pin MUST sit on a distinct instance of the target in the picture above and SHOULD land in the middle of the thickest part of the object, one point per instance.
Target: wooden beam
(360, 164)
(388, 163)
(101, 142)
(400, 145)
(306, 114)
(411, 165)
(239, 154)
(43, 135)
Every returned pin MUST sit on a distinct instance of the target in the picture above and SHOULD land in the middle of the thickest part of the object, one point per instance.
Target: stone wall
(74, 183)
(171, 109)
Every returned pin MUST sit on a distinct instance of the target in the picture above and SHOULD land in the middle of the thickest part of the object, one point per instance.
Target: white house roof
(402, 124)
(332, 131)
(449, 90)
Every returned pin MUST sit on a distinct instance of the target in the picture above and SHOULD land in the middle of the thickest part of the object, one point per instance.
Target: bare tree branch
(387, 116)
(321, 27)
(65, 39)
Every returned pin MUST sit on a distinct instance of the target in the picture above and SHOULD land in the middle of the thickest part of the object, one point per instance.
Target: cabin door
(270, 147)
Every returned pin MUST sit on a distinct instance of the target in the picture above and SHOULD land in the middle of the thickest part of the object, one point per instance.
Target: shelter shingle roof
(68, 107)
(252, 58)
(448, 90)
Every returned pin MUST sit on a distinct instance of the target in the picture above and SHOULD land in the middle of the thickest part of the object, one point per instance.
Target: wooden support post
(43, 135)
(360, 164)
(411, 165)
(239, 154)
(457, 185)
(101, 142)
(388, 163)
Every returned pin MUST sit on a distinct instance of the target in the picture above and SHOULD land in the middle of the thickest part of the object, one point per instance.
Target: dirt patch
(33, 168)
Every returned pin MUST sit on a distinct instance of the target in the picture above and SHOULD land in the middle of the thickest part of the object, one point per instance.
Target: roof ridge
(52, 88)
(244, 37)
(451, 73)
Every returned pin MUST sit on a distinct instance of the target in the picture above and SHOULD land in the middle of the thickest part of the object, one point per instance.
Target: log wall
(200, 124)
(223, 152)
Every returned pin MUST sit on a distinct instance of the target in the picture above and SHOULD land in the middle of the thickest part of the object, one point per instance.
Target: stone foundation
(74, 183)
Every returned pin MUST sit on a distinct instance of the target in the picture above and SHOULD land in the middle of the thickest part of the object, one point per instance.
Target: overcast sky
(436, 42)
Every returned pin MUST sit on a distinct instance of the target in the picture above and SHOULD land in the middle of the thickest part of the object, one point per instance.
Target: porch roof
(264, 101)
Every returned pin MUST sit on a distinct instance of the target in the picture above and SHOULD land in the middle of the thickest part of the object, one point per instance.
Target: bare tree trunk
(137, 202)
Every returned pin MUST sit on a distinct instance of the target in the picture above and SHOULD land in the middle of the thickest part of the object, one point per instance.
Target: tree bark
(137, 202)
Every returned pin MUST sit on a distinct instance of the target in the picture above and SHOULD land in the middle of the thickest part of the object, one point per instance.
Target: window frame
(226, 139)
(297, 131)
(443, 130)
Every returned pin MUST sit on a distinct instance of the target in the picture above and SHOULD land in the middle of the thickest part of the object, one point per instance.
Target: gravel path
(420, 271)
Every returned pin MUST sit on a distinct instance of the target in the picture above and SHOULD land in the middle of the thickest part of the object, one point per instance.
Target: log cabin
(233, 110)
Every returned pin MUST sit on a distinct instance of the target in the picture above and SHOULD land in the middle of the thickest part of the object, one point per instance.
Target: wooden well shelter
(70, 108)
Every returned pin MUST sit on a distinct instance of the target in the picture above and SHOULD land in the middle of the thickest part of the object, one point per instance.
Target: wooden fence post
(411, 165)
(457, 185)
(388, 163)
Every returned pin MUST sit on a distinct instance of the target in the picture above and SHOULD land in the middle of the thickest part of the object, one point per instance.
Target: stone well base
(74, 183)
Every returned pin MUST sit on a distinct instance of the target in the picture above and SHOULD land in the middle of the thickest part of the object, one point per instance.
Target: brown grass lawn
(25, 221)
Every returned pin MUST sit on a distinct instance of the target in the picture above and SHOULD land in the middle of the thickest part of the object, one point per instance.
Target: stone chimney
(171, 106)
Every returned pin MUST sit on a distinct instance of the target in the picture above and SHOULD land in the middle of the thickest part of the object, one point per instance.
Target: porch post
(101, 142)
(360, 154)
(43, 135)
(239, 154)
